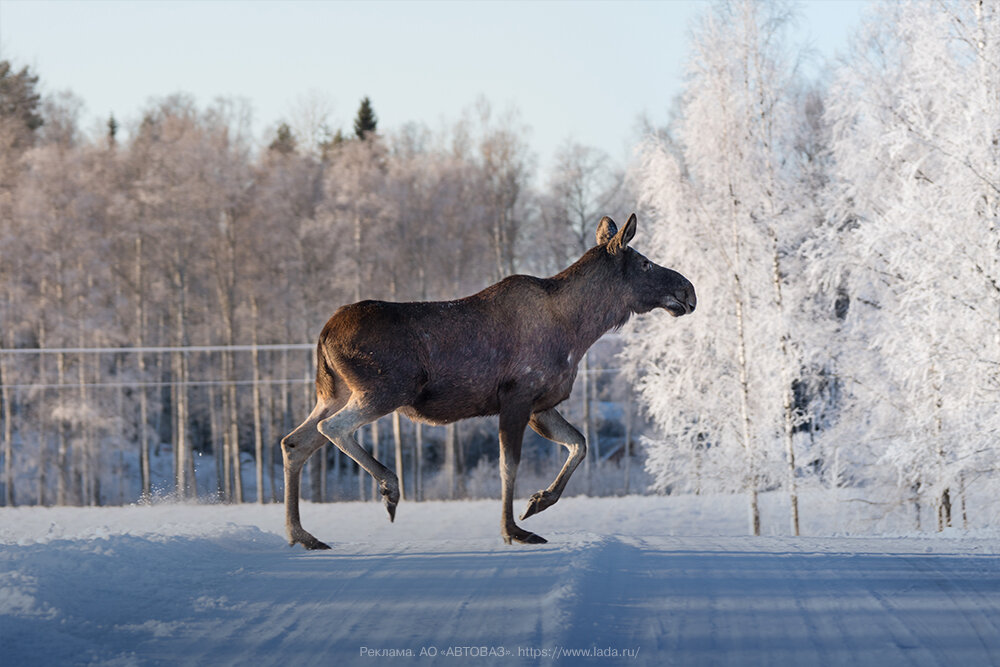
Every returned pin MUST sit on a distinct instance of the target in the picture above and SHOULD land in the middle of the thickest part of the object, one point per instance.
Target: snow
(637, 580)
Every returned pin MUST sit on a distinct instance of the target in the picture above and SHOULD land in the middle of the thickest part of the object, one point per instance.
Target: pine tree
(366, 121)
(18, 97)
(20, 112)
(112, 130)
(284, 142)
(328, 145)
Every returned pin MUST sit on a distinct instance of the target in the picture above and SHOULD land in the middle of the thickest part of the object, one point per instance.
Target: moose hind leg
(553, 426)
(340, 429)
(296, 448)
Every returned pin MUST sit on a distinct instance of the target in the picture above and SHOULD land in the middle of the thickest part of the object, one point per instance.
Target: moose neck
(591, 298)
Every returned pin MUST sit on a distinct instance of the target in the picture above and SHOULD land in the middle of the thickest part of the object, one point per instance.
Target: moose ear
(606, 230)
(622, 238)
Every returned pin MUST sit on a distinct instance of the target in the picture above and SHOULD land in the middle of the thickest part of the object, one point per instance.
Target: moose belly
(451, 399)
(448, 397)
(445, 407)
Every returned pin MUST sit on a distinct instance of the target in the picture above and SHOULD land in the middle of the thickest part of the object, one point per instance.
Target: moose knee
(296, 451)
(294, 454)
(289, 447)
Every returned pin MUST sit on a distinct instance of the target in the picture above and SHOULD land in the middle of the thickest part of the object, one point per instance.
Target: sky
(574, 71)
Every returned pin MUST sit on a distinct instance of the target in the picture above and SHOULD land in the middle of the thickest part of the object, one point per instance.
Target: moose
(510, 350)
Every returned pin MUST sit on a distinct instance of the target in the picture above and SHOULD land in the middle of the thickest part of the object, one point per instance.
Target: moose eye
(646, 264)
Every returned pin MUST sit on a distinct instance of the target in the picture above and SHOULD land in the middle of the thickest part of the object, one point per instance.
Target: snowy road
(217, 585)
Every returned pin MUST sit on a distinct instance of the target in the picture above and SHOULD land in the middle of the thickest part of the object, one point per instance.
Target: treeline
(186, 231)
(844, 237)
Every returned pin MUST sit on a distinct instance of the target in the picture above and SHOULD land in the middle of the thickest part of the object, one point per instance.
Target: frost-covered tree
(503, 167)
(729, 213)
(915, 243)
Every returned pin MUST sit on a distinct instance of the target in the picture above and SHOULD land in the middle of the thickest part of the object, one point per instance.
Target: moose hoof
(538, 502)
(523, 537)
(316, 545)
(390, 498)
(307, 540)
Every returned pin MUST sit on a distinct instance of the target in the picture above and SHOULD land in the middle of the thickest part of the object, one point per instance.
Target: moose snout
(689, 299)
(683, 299)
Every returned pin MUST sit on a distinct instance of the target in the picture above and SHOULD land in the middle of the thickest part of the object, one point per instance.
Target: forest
(163, 278)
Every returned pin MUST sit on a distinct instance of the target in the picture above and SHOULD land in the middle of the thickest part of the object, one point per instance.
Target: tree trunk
(269, 437)
(744, 388)
(361, 473)
(961, 498)
(594, 443)
(90, 471)
(43, 448)
(7, 415)
(587, 437)
(944, 502)
(258, 441)
(628, 440)
(397, 437)
(86, 460)
(786, 381)
(460, 463)
(140, 317)
(418, 461)
(321, 461)
(143, 432)
(227, 434)
(180, 373)
(944, 510)
(376, 496)
(450, 459)
(754, 508)
(218, 438)
(62, 453)
(234, 432)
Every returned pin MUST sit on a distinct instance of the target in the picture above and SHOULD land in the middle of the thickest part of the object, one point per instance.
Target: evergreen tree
(284, 142)
(112, 130)
(19, 106)
(18, 98)
(366, 121)
(328, 145)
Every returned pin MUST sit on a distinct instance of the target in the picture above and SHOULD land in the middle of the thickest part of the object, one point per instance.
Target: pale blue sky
(580, 70)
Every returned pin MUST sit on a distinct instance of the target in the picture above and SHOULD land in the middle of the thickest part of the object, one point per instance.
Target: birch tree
(724, 204)
(916, 111)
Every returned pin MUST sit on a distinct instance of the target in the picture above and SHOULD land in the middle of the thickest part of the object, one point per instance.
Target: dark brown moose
(511, 350)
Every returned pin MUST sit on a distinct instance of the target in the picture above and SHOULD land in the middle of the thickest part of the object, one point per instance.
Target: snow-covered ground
(636, 580)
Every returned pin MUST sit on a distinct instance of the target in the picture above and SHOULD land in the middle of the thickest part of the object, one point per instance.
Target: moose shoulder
(510, 350)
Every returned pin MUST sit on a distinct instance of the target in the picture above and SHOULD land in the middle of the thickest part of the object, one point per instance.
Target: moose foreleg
(551, 425)
(512, 424)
